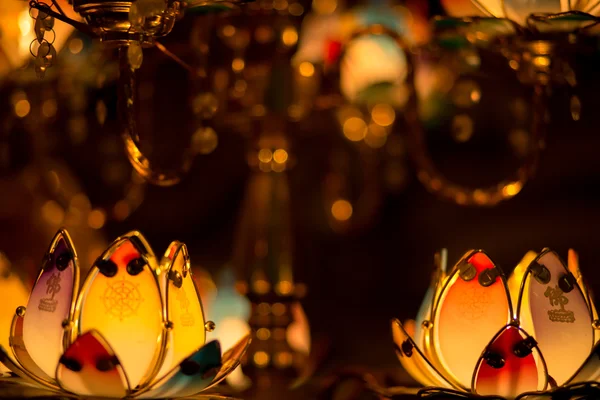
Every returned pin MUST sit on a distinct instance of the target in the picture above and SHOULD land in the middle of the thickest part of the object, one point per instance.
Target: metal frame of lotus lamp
(468, 340)
(79, 341)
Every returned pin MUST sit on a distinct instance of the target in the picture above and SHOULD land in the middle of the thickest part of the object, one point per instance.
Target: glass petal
(413, 360)
(20, 352)
(519, 10)
(590, 370)
(90, 367)
(573, 267)
(515, 280)
(121, 299)
(17, 369)
(51, 303)
(231, 360)
(553, 309)
(491, 7)
(507, 368)
(184, 308)
(191, 376)
(473, 304)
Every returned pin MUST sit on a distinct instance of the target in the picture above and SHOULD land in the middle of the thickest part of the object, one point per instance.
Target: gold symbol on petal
(122, 299)
(557, 298)
(187, 318)
(52, 288)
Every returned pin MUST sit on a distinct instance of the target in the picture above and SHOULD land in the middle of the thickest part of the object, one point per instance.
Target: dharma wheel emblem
(122, 299)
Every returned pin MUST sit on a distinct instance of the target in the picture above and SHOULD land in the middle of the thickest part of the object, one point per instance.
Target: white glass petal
(473, 305)
(519, 10)
(553, 309)
(20, 353)
(90, 367)
(190, 377)
(231, 360)
(51, 303)
(184, 308)
(17, 369)
(121, 300)
(590, 370)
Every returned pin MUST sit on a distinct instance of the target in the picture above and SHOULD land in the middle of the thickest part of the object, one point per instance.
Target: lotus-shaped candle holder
(533, 335)
(136, 327)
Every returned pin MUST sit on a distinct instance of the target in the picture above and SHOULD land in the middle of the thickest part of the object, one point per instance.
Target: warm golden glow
(324, 6)
(341, 210)
(261, 359)
(306, 69)
(22, 108)
(383, 114)
(53, 213)
(96, 219)
(512, 189)
(49, 108)
(237, 64)
(265, 155)
(280, 156)
(75, 45)
(289, 37)
(263, 334)
(228, 30)
(355, 129)
(278, 309)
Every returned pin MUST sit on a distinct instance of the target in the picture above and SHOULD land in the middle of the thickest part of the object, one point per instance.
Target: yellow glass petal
(511, 364)
(13, 294)
(573, 266)
(413, 360)
(190, 377)
(184, 309)
(121, 300)
(553, 309)
(89, 367)
(515, 280)
(51, 302)
(492, 8)
(473, 305)
(20, 353)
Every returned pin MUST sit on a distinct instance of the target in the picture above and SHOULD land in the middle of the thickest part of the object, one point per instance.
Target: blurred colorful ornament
(480, 333)
(518, 11)
(80, 341)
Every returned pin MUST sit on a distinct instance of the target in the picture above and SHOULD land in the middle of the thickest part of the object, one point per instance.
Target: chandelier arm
(130, 134)
(58, 7)
(80, 26)
(437, 183)
(175, 58)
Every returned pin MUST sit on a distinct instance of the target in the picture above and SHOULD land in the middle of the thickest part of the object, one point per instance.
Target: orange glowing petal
(14, 366)
(51, 303)
(461, 8)
(413, 360)
(184, 309)
(510, 365)
(469, 313)
(190, 377)
(90, 367)
(554, 310)
(121, 300)
(21, 354)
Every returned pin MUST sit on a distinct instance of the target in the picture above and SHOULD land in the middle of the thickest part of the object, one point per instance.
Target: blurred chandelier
(533, 335)
(135, 329)
(129, 26)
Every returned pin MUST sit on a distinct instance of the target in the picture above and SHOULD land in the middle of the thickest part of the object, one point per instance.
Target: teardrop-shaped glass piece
(184, 309)
(471, 307)
(51, 302)
(231, 360)
(493, 8)
(413, 360)
(20, 352)
(90, 367)
(590, 370)
(511, 364)
(121, 300)
(190, 377)
(9, 362)
(553, 309)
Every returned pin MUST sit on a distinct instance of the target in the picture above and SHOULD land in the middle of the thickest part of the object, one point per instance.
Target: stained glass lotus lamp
(532, 335)
(136, 327)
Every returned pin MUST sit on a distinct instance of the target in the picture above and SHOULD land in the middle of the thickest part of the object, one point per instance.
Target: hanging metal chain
(42, 47)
